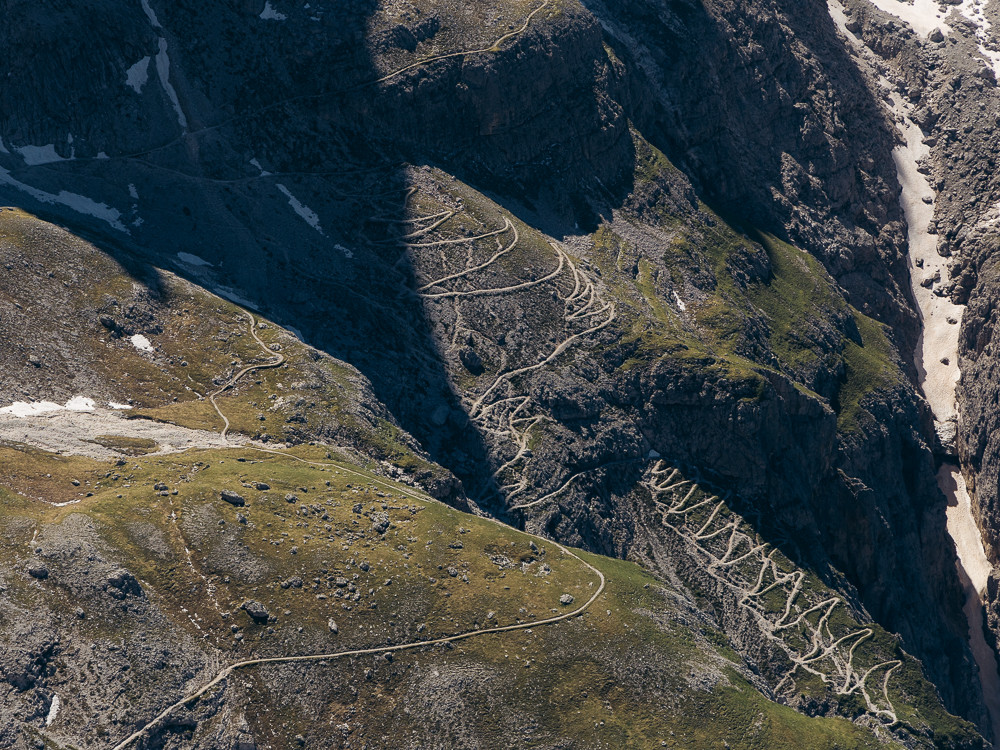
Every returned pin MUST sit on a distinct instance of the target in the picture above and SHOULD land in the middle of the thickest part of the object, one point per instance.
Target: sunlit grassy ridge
(639, 668)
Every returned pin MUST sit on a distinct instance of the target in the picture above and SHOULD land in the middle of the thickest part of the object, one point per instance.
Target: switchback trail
(278, 362)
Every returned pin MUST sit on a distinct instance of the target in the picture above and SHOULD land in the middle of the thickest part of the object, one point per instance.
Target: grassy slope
(636, 670)
(798, 312)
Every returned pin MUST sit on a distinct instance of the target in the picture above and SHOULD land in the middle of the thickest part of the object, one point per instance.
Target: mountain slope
(534, 250)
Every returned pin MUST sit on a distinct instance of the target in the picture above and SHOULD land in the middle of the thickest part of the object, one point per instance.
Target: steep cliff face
(503, 220)
(763, 106)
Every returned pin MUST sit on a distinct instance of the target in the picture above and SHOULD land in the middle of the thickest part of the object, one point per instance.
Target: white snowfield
(306, 213)
(36, 155)
(141, 343)
(81, 427)
(137, 76)
(79, 203)
(922, 15)
(270, 14)
(192, 260)
(24, 409)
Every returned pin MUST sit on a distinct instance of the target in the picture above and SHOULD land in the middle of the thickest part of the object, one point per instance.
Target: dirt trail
(738, 560)
(227, 671)
(277, 362)
(224, 673)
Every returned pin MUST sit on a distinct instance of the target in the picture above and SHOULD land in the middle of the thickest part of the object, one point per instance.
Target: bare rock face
(794, 139)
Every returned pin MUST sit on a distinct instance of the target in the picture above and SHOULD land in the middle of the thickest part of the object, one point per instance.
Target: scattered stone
(262, 486)
(566, 599)
(452, 571)
(340, 582)
(471, 360)
(160, 487)
(233, 498)
(333, 626)
(380, 522)
(39, 571)
(121, 583)
(291, 498)
(257, 611)
(292, 583)
(365, 566)
(80, 614)
(75, 482)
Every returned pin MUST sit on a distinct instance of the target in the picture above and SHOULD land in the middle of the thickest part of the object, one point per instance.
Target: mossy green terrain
(328, 542)
(734, 300)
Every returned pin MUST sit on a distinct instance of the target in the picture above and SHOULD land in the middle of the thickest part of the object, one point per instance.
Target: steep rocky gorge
(561, 256)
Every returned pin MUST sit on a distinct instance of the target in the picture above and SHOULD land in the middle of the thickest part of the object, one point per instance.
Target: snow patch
(307, 214)
(141, 343)
(163, 71)
(193, 260)
(263, 172)
(133, 192)
(150, 14)
(680, 302)
(923, 16)
(80, 403)
(138, 74)
(347, 253)
(79, 203)
(22, 409)
(233, 296)
(35, 155)
(118, 407)
(53, 710)
(937, 357)
(270, 14)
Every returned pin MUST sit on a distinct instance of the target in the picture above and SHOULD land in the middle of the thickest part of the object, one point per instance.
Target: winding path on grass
(224, 674)
(278, 362)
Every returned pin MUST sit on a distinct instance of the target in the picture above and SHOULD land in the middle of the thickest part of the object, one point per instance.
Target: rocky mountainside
(636, 278)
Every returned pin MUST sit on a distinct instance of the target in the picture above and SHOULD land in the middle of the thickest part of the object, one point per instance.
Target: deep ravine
(936, 355)
(936, 360)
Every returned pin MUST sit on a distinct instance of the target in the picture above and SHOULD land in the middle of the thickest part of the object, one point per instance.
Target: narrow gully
(936, 359)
